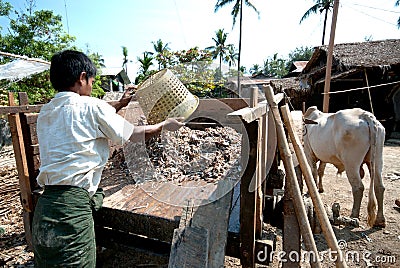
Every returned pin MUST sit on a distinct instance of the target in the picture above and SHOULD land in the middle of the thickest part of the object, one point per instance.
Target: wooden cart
(133, 218)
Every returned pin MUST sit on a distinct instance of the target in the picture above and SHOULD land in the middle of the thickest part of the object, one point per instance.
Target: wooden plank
(25, 108)
(250, 114)
(137, 223)
(261, 164)
(291, 178)
(263, 249)
(217, 109)
(214, 216)
(106, 236)
(189, 248)
(20, 109)
(291, 229)
(248, 197)
(210, 219)
(22, 167)
(31, 118)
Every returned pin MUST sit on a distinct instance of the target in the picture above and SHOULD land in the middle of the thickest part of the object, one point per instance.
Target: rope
(23, 57)
(360, 88)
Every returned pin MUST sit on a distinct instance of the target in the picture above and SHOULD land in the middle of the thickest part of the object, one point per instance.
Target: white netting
(19, 69)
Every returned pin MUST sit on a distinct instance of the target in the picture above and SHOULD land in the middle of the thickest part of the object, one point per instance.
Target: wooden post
(292, 180)
(257, 179)
(369, 91)
(313, 191)
(329, 58)
(22, 167)
(248, 199)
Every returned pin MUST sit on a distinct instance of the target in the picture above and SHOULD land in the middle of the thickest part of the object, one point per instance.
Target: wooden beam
(313, 191)
(20, 109)
(248, 197)
(263, 249)
(136, 223)
(329, 58)
(250, 114)
(292, 180)
(22, 167)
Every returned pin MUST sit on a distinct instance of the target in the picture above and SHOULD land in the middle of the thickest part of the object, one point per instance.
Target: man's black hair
(66, 67)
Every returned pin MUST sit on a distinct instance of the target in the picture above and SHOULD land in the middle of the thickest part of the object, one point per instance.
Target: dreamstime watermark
(329, 255)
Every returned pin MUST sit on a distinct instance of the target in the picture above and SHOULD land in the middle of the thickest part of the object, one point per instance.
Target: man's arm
(142, 133)
(124, 100)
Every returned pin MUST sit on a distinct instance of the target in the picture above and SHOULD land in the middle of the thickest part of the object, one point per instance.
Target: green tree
(320, 6)
(237, 10)
(97, 90)
(145, 63)
(255, 69)
(125, 59)
(299, 54)
(160, 48)
(232, 56)
(35, 34)
(192, 67)
(220, 49)
(275, 67)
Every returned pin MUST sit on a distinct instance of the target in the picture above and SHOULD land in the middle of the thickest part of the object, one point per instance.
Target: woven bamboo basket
(163, 96)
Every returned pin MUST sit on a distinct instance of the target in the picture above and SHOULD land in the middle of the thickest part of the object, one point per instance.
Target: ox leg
(357, 188)
(313, 166)
(379, 191)
(321, 170)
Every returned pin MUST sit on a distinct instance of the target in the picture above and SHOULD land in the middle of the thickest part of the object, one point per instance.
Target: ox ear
(310, 110)
(309, 121)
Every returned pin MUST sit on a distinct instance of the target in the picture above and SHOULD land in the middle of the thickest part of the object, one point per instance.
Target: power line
(366, 14)
(180, 22)
(376, 8)
(66, 14)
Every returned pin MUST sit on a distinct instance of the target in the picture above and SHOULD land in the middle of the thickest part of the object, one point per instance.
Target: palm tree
(125, 59)
(232, 55)
(160, 48)
(321, 6)
(255, 69)
(220, 50)
(237, 10)
(398, 21)
(146, 62)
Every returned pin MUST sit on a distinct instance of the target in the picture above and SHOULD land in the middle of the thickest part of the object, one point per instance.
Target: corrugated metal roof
(300, 65)
(111, 71)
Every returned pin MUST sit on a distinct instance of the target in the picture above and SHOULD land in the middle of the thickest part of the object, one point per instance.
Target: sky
(105, 26)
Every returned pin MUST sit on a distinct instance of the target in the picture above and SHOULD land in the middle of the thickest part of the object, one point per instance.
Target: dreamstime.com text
(328, 256)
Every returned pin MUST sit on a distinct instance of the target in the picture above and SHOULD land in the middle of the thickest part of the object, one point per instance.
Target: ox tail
(371, 207)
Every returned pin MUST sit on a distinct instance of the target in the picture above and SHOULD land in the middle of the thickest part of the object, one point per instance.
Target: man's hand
(173, 124)
(126, 98)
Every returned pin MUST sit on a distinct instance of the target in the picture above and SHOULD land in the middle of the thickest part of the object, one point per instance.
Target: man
(73, 131)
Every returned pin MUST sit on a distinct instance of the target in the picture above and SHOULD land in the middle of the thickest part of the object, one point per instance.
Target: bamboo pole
(313, 191)
(6, 54)
(369, 91)
(329, 58)
(286, 155)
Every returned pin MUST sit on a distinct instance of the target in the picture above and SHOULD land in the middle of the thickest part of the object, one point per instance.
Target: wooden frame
(255, 120)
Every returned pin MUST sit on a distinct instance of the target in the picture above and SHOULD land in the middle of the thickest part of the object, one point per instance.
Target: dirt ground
(362, 246)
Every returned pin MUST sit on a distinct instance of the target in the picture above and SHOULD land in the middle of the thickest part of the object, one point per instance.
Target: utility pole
(329, 58)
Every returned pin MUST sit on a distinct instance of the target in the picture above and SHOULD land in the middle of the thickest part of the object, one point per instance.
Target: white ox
(348, 139)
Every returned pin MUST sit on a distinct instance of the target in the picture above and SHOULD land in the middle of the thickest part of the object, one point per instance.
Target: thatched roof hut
(294, 94)
(364, 74)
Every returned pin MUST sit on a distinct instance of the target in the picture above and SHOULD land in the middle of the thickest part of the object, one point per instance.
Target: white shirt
(73, 133)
